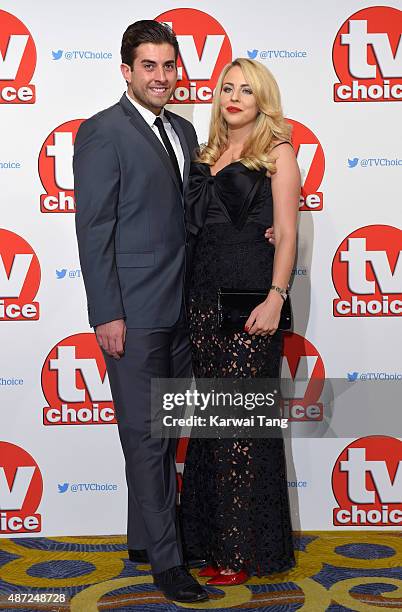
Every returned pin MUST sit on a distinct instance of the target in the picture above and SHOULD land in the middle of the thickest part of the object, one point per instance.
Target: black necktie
(168, 145)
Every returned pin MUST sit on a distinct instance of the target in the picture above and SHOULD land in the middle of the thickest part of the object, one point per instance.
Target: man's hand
(270, 235)
(111, 337)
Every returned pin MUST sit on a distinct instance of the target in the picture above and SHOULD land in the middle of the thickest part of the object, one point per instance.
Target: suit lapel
(141, 126)
(186, 152)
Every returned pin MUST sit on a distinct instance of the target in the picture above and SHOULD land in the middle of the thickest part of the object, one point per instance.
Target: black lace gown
(234, 500)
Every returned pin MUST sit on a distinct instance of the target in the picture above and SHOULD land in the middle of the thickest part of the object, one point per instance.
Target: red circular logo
(367, 482)
(367, 273)
(204, 51)
(303, 365)
(17, 61)
(367, 56)
(29, 488)
(311, 160)
(75, 383)
(19, 278)
(56, 169)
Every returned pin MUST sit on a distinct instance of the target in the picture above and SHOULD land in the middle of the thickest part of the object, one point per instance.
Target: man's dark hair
(146, 31)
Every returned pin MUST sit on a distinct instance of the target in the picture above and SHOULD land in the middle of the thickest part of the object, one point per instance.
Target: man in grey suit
(131, 163)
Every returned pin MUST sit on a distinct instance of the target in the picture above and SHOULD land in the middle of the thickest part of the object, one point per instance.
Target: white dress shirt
(149, 117)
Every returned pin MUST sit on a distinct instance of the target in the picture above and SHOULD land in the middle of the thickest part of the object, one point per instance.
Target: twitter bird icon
(353, 162)
(61, 273)
(63, 487)
(57, 54)
(252, 54)
(352, 376)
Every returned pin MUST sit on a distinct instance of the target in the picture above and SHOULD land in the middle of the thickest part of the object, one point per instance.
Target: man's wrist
(109, 321)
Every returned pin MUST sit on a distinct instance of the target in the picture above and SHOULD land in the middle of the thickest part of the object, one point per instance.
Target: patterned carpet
(336, 572)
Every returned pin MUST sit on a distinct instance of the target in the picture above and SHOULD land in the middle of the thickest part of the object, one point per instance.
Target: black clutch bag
(235, 306)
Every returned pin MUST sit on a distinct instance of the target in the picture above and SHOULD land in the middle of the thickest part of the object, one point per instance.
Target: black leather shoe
(178, 585)
(138, 556)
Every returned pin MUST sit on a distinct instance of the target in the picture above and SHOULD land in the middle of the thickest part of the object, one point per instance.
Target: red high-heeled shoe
(229, 579)
(209, 572)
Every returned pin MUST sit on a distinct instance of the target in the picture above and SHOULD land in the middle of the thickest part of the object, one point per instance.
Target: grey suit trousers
(150, 462)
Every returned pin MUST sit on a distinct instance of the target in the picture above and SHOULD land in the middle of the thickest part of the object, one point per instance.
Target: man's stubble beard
(148, 102)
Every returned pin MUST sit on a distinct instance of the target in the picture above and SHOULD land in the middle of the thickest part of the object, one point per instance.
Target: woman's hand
(264, 319)
(270, 235)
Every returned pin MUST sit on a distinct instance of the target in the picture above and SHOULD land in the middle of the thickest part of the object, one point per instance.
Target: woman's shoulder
(283, 154)
(278, 143)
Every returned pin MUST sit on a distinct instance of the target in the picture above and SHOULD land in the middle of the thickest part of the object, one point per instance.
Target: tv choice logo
(12, 381)
(375, 162)
(367, 56)
(21, 488)
(297, 484)
(367, 273)
(20, 276)
(62, 273)
(56, 168)
(10, 165)
(205, 49)
(299, 271)
(354, 376)
(81, 55)
(367, 483)
(276, 54)
(17, 61)
(82, 487)
(311, 160)
(75, 384)
(303, 364)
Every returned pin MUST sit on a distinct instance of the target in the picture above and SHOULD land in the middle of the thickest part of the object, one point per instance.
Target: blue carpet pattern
(337, 571)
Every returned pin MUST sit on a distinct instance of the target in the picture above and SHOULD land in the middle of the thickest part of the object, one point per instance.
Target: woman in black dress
(234, 501)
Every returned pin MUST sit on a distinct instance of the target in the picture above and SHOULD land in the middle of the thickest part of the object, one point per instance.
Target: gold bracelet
(282, 292)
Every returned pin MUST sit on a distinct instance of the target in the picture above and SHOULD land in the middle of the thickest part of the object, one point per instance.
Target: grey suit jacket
(130, 217)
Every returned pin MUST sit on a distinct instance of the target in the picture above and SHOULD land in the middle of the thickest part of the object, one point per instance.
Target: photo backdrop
(339, 68)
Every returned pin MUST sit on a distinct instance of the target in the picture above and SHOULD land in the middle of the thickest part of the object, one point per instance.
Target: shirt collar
(145, 113)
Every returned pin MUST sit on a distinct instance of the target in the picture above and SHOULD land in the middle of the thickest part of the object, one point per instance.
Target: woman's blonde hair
(270, 126)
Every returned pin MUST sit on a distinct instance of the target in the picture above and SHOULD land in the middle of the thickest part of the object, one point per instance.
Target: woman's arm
(286, 194)
(285, 184)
